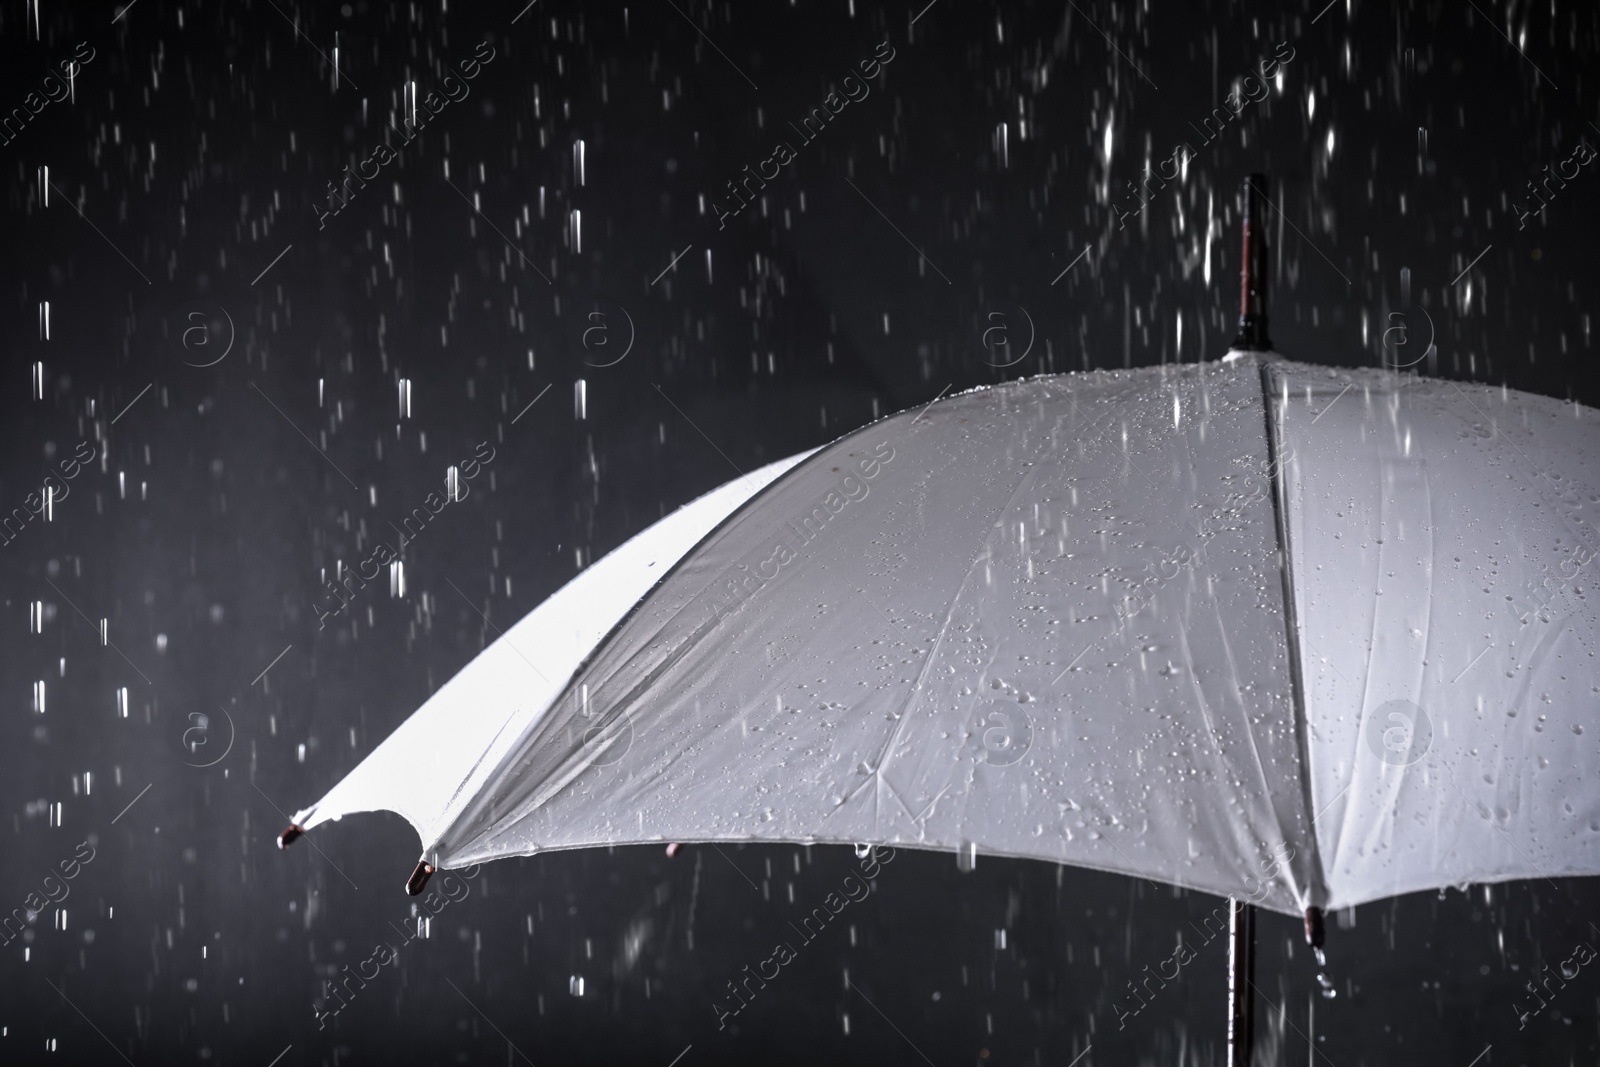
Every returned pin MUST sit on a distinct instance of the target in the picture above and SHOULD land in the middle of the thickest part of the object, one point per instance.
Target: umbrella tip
(419, 877)
(1315, 932)
(291, 835)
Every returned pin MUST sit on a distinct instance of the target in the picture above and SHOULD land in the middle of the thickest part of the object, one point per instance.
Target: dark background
(981, 165)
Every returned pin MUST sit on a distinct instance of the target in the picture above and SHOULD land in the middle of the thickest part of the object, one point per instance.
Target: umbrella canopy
(1304, 636)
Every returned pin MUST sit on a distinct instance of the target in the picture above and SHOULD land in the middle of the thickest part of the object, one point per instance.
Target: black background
(197, 142)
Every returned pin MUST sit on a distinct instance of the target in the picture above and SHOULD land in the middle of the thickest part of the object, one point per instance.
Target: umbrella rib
(1318, 888)
(1205, 713)
(473, 770)
(1255, 750)
(1344, 817)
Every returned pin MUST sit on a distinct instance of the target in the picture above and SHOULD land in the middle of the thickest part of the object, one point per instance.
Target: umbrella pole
(1241, 980)
(1253, 269)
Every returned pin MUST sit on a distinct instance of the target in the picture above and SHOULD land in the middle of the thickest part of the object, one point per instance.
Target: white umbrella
(1297, 636)
(1048, 620)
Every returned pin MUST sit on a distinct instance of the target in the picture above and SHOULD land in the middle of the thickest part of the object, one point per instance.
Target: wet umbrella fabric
(425, 770)
(1303, 636)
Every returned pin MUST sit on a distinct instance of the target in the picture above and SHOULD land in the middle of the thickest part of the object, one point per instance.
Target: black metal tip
(291, 835)
(1253, 268)
(1315, 932)
(419, 877)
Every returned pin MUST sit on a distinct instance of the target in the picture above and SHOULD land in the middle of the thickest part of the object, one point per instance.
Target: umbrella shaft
(1241, 980)
(1253, 268)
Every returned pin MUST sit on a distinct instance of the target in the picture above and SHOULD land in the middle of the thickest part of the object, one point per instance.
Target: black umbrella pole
(1241, 980)
(1253, 269)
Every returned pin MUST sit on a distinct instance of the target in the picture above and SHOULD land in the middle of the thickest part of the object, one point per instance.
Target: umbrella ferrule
(419, 877)
(1316, 932)
(289, 836)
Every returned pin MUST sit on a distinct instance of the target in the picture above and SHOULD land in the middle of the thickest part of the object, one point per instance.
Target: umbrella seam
(1317, 889)
(593, 656)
